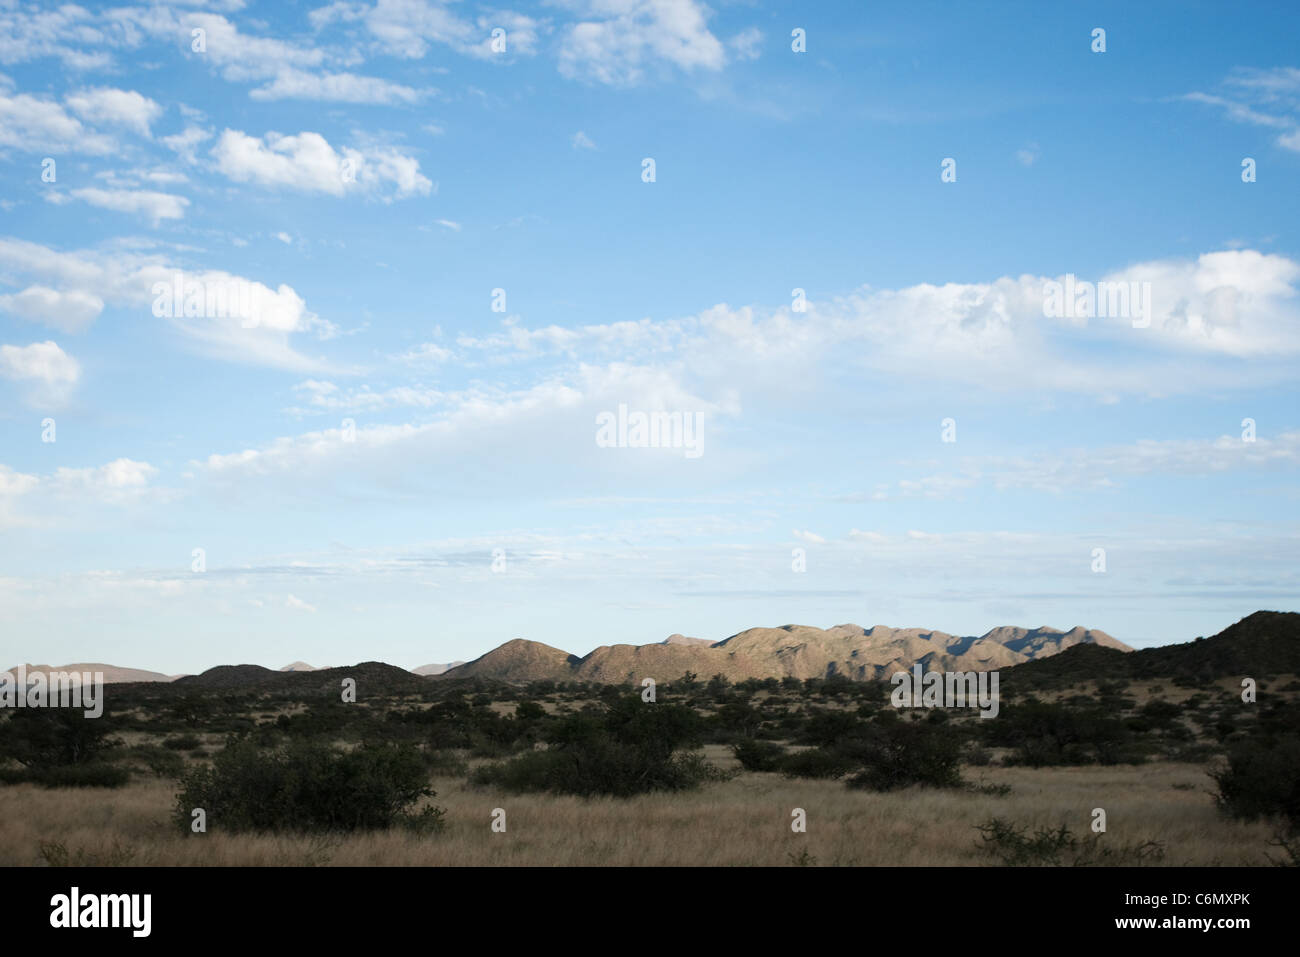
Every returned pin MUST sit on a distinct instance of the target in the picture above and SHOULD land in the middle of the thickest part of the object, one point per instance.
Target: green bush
(308, 786)
(816, 763)
(1053, 734)
(51, 737)
(182, 742)
(1015, 846)
(94, 774)
(906, 754)
(755, 755)
(159, 761)
(628, 748)
(1262, 779)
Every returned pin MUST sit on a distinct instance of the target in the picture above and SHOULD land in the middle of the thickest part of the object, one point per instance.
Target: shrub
(56, 854)
(756, 755)
(49, 737)
(309, 787)
(827, 728)
(182, 742)
(628, 748)
(1262, 779)
(1052, 734)
(160, 761)
(1014, 846)
(96, 774)
(908, 754)
(816, 763)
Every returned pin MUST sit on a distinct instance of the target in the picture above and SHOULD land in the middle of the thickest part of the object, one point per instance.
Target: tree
(54, 737)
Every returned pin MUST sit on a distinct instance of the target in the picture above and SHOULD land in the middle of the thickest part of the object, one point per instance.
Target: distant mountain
(230, 676)
(683, 640)
(369, 675)
(519, 660)
(112, 673)
(436, 669)
(299, 666)
(798, 651)
(1265, 643)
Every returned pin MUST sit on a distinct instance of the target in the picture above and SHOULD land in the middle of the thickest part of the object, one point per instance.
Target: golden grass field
(741, 822)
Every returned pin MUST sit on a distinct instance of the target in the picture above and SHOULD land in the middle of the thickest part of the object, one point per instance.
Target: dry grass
(745, 821)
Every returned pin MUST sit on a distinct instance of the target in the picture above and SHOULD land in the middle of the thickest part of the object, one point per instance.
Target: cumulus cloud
(125, 108)
(1206, 311)
(159, 288)
(67, 32)
(27, 499)
(307, 162)
(620, 41)
(35, 124)
(119, 480)
(50, 372)
(69, 311)
(185, 144)
(406, 28)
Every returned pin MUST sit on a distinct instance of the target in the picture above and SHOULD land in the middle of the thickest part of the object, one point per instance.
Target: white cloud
(747, 44)
(297, 604)
(426, 352)
(185, 143)
(1219, 306)
(66, 311)
(13, 484)
(328, 397)
(48, 370)
(66, 32)
(624, 39)
(284, 69)
(127, 279)
(581, 141)
(33, 124)
(118, 481)
(1268, 98)
(1104, 467)
(43, 361)
(151, 205)
(125, 108)
(307, 162)
(291, 84)
(241, 57)
(405, 28)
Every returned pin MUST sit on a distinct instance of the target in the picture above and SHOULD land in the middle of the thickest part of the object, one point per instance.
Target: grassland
(744, 821)
(1155, 785)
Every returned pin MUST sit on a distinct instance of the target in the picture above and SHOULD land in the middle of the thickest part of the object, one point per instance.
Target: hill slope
(1267, 642)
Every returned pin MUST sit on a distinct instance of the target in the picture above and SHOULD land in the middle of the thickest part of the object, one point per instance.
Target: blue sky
(351, 460)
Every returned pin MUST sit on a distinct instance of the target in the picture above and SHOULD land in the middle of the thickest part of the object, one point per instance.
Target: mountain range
(1266, 642)
(797, 651)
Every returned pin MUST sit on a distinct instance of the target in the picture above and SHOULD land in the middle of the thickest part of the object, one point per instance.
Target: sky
(314, 318)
